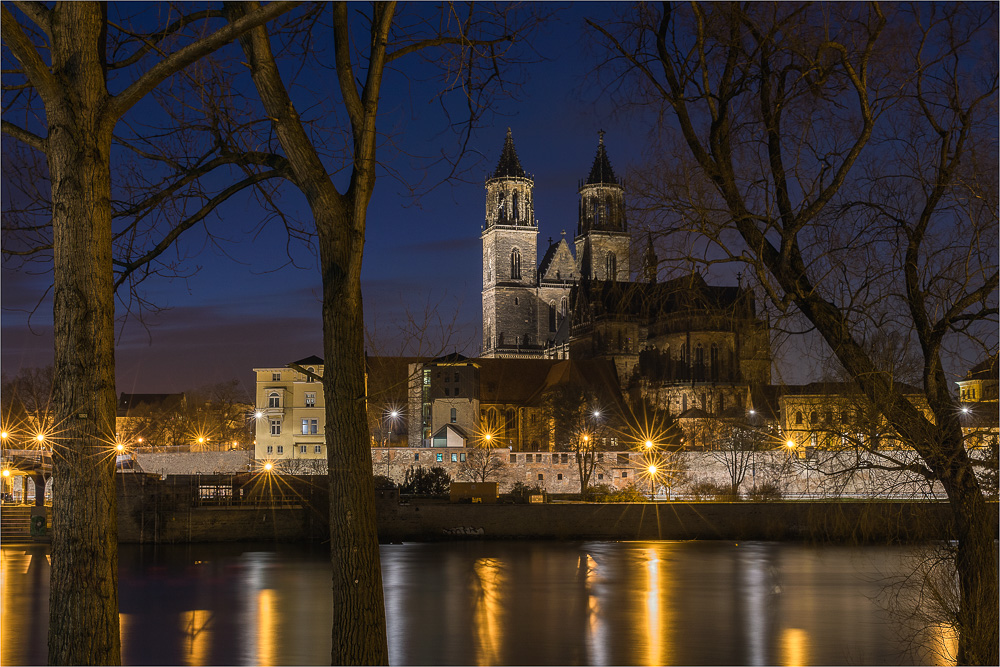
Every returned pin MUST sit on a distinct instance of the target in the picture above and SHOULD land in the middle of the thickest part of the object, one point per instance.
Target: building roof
(985, 370)
(601, 172)
(647, 300)
(508, 166)
(311, 360)
(512, 380)
(833, 389)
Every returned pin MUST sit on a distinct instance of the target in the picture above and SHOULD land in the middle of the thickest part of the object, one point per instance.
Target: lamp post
(652, 479)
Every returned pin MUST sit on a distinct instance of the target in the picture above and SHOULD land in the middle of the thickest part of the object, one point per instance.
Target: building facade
(290, 415)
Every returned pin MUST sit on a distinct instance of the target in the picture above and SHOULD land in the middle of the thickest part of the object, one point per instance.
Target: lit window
(281, 449)
(454, 458)
(273, 400)
(461, 457)
(416, 456)
(275, 427)
(310, 399)
(454, 413)
(310, 427)
(439, 458)
(318, 449)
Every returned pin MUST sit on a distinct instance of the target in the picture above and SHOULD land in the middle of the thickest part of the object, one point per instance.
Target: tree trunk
(358, 606)
(83, 602)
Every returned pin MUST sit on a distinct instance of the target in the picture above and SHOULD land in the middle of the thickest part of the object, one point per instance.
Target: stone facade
(290, 412)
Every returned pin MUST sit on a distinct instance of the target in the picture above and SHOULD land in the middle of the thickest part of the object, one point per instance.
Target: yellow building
(291, 421)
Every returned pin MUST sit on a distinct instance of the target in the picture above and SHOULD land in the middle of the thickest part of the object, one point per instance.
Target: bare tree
(846, 154)
(471, 44)
(483, 464)
(59, 64)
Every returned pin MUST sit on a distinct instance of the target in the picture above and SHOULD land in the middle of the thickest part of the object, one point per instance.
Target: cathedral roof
(509, 166)
(601, 172)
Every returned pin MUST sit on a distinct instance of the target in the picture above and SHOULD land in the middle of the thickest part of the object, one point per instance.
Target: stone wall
(194, 463)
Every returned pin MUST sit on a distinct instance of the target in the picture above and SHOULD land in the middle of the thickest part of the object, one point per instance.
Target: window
(275, 377)
(281, 449)
(828, 417)
(440, 458)
(813, 417)
(552, 316)
(310, 427)
(456, 391)
(798, 417)
(461, 457)
(624, 474)
(275, 427)
(600, 476)
(541, 477)
(454, 415)
(447, 392)
(559, 476)
(302, 449)
(555, 458)
(416, 456)
(600, 456)
(515, 264)
(274, 400)
(270, 449)
(456, 376)
(310, 399)
(513, 458)
(454, 458)
(318, 449)
(564, 458)
(611, 267)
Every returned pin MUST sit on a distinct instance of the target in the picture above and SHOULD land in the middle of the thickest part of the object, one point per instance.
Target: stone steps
(15, 522)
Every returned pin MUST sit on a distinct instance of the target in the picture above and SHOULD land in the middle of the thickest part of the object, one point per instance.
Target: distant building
(981, 382)
(291, 422)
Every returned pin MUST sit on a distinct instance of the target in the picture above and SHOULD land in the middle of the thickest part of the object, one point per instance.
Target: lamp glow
(790, 444)
(649, 444)
(6, 473)
(120, 447)
(258, 414)
(40, 437)
(268, 466)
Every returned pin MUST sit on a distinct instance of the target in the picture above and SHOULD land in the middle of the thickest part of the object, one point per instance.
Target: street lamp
(652, 479)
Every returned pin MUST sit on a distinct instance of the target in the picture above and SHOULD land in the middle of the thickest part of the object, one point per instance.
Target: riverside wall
(175, 510)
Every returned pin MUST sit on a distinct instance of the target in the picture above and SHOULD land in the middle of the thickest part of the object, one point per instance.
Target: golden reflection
(489, 611)
(795, 647)
(656, 622)
(124, 620)
(267, 627)
(197, 627)
(943, 643)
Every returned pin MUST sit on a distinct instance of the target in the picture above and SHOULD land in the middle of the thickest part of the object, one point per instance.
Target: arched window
(699, 354)
(516, 209)
(563, 307)
(491, 420)
(798, 418)
(510, 423)
(611, 266)
(813, 417)
(714, 361)
(515, 264)
(273, 400)
(552, 317)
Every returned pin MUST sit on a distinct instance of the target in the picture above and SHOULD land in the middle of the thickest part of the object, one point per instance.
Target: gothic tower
(510, 314)
(602, 238)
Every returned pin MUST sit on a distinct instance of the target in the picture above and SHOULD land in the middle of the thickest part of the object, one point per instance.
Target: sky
(244, 305)
(251, 301)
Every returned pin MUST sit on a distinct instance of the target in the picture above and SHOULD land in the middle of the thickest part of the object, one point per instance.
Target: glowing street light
(652, 478)
(268, 466)
(649, 444)
(40, 437)
(258, 414)
(6, 473)
(120, 447)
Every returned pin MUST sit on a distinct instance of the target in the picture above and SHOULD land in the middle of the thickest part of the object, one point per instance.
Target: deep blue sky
(245, 307)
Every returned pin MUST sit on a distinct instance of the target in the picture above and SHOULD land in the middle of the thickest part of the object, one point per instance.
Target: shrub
(713, 491)
(421, 482)
(605, 493)
(383, 483)
(764, 492)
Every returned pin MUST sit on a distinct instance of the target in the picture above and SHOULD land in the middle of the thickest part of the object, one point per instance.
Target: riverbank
(204, 509)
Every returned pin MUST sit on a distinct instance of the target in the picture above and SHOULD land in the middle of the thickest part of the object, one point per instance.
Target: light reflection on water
(642, 603)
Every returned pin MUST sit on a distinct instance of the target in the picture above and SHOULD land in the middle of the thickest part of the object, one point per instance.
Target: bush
(421, 482)
(521, 493)
(713, 491)
(765, 492)
(605, 493)
(383, 483)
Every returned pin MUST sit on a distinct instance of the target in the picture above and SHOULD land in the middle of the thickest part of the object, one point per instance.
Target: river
(525, 603)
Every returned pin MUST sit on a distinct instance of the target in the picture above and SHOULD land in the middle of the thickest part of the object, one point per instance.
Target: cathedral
(583, 302)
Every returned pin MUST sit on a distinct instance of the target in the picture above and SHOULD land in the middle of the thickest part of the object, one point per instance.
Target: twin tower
(526, 310)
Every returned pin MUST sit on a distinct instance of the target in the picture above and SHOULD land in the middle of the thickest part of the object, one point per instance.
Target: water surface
(524, 603)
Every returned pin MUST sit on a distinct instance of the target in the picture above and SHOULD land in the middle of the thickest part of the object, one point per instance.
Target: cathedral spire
(509, 166)
(601, 172)
(649, 261)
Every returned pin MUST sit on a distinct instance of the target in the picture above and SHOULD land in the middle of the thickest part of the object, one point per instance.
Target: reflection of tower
(602, 240)
(510, 318)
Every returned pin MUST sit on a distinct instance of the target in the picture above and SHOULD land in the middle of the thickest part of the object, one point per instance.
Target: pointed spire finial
(600, 137)
(508, 131)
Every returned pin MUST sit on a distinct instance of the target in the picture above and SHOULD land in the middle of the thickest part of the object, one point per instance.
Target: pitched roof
(508, 166)
(687, 293)
(311, 360)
